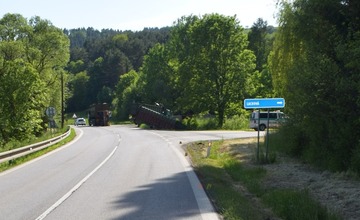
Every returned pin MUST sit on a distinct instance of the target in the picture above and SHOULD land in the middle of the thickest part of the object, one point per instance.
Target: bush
(200, 123)
(190, 123)
(210, 122)
(237, 122)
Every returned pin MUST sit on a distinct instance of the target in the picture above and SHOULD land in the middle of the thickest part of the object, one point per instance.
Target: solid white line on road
(45, 155)
(206, 209)
(77, 186)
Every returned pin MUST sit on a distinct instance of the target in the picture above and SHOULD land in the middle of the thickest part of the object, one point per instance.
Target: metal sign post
(264, 103)
(267, 134)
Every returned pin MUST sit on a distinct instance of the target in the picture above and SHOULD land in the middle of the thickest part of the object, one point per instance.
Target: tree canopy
(104, 56)
(203, 67)
(212, 73)
(32, 54)
(315, 67)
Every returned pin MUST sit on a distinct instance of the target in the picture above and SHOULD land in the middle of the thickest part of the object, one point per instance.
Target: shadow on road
(167, 198)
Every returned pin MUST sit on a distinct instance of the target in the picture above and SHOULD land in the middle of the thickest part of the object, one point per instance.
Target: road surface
(116, 172)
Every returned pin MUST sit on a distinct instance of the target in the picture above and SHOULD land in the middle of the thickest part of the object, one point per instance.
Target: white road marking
(207, 211)
(45, 155)
(77, 186)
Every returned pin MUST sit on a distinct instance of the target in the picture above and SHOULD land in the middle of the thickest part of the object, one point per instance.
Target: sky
(136, 15)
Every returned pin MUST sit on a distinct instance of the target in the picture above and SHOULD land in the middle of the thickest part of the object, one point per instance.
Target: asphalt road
(116, 172)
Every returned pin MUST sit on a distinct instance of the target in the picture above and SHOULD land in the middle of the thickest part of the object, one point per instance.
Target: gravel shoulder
(339, 192)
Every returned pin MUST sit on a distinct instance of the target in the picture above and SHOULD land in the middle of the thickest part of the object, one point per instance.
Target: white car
(80, 121)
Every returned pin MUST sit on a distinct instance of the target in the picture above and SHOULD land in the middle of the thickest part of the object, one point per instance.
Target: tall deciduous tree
(31, 57)
(78, 88)
(213, 63)
(21, 93)
(126, 94)
(158, 77)
(260, 42)
(315, 66)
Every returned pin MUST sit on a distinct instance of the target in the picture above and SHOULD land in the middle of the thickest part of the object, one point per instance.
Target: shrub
(237, 122)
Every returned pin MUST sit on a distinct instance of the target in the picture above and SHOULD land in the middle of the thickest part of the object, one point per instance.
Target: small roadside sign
(50, 112)
(264, 103)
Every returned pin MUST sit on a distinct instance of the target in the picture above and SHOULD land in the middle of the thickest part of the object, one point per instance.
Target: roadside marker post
(264, 103)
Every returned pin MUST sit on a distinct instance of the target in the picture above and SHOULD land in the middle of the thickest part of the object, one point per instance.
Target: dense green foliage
(213, 63)
(315, 65)
(202, 65)
(99, 58)
(32, 55)
(261, 38)
(121, 67)
(203, 68)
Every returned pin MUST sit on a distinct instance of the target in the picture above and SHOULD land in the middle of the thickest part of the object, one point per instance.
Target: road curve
(116, 172)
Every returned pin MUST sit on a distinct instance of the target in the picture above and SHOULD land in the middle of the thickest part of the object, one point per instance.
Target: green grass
(296, 205)
(13, 144)
(218, 184)
(250, 177)
(18, 161)
(220, 173)
(238, 122)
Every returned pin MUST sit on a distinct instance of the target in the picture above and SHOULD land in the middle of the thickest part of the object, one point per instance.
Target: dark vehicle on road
(99, 115)
(155, 116)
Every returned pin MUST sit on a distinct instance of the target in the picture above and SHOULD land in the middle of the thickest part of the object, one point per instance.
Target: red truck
(99, 115)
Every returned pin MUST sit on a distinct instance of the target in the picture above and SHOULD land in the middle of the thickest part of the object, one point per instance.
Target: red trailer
(156, 116)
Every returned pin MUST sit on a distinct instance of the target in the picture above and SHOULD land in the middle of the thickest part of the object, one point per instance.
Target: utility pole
(62, 99)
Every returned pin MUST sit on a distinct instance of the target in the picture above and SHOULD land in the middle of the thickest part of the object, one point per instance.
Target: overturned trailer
(99, 115)
(155, 116)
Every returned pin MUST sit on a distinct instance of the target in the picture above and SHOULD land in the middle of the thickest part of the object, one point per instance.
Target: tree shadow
(166, 198)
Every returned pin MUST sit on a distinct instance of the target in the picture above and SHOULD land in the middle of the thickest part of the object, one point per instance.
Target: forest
(202, 65)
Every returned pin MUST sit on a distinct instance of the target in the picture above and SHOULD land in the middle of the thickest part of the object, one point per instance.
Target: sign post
(264, 103)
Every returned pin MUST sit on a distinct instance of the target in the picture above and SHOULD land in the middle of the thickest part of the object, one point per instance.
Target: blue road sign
(264, 103)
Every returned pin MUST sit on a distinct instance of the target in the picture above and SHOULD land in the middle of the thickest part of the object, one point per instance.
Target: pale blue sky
(136, 14)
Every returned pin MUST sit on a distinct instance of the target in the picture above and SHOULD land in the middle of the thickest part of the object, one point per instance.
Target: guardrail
(22, 151)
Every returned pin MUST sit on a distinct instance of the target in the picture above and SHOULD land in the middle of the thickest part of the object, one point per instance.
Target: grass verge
(237, 191)
(18, 161)
(13, 144)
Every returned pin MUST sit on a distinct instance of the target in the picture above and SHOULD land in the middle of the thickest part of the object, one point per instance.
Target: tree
(22, 92)
(127, 91)
(260, 42)
(78, 88)
(105, 95)
(108, 54)
(32, 55)
(213, 63)
(158, 77)
(313, 67)
(47, 47)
